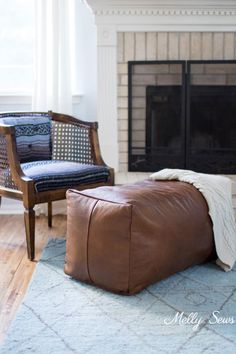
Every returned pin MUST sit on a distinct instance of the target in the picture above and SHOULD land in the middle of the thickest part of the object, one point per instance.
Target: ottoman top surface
(144, 193)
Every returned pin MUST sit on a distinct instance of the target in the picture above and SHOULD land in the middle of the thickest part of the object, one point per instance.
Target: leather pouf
(125, 238)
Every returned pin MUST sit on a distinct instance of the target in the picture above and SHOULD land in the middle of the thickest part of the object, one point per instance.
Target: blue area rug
(178, 315)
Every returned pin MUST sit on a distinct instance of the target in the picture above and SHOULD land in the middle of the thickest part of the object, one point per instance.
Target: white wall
(86, 62)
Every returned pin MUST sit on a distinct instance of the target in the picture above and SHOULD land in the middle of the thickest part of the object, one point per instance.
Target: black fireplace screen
(182, 115)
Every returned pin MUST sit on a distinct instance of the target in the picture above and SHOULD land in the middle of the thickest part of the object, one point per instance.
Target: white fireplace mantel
(144, 16)
(125, 14)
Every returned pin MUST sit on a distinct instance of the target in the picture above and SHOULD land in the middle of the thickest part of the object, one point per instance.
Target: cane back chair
(44, 154)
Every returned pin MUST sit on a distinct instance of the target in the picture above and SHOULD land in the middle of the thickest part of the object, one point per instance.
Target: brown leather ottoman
(125, 238)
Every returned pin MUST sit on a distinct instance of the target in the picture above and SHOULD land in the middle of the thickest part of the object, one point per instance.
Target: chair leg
(29, 217)
(49, 214)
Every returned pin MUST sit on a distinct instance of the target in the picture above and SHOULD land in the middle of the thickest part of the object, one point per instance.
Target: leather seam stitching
(98, 198)
(130, 233)
(87, 256)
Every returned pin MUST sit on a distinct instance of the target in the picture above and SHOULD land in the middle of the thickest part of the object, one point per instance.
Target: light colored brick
(218, 47)
(228, 69)
(123, 79)
(197, 68)
(123, 91)
(229, 49)
(123, 157)
(140, 144)
(184, 46)
(138, 136)
(138, 124)
(129, 46)
(231, 80)
(139, 102)
(122, 102)
(234, 45)
(144, 79)
(151, 49)
(122, 68)
(122, 135)
(123, 124)
(162, 40)
(209, 79)
(214, 69)
(140, 46)
(196, 46)
(151, 69)
(122, 113)
(120, 47)
(207, 46)
(123, 147)
(118, 80)
(138, 113)
(175, 68)
(169, 79)
(138, 151)
(173, 46)
(139, 91)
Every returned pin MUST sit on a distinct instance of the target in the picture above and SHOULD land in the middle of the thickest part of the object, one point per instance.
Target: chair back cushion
(33, 136)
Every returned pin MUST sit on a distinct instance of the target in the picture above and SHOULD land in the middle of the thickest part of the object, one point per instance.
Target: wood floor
(15, 269)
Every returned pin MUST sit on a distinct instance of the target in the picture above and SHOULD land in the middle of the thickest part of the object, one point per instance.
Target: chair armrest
(96, 152)
(95, 146)
(65, 118)
(17, 173)
(6, 129)
(90, 127)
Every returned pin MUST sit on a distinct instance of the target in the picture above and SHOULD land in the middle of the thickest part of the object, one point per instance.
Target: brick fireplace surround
(151, 30)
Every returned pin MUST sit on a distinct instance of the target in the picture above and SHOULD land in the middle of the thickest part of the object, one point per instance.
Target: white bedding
(217, 193)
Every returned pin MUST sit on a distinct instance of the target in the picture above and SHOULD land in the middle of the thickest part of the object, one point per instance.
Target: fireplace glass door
(211, 117)
(156, 115)
(182, 115)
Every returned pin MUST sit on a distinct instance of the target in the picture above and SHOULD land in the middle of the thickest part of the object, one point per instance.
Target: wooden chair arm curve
(7, 129)
(65, 118)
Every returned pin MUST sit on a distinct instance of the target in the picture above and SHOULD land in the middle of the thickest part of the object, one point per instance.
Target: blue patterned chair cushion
(33, 136)
(54, 174)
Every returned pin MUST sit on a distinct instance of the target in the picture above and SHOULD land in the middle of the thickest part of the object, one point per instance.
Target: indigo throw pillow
(33, 136)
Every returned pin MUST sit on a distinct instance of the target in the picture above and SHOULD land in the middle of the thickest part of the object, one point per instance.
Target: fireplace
(182, 114)
(148, 30)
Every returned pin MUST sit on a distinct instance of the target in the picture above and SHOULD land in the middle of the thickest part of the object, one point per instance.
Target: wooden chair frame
(26, 191)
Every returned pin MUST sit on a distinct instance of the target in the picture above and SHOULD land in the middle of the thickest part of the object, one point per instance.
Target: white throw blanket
(217, 193)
